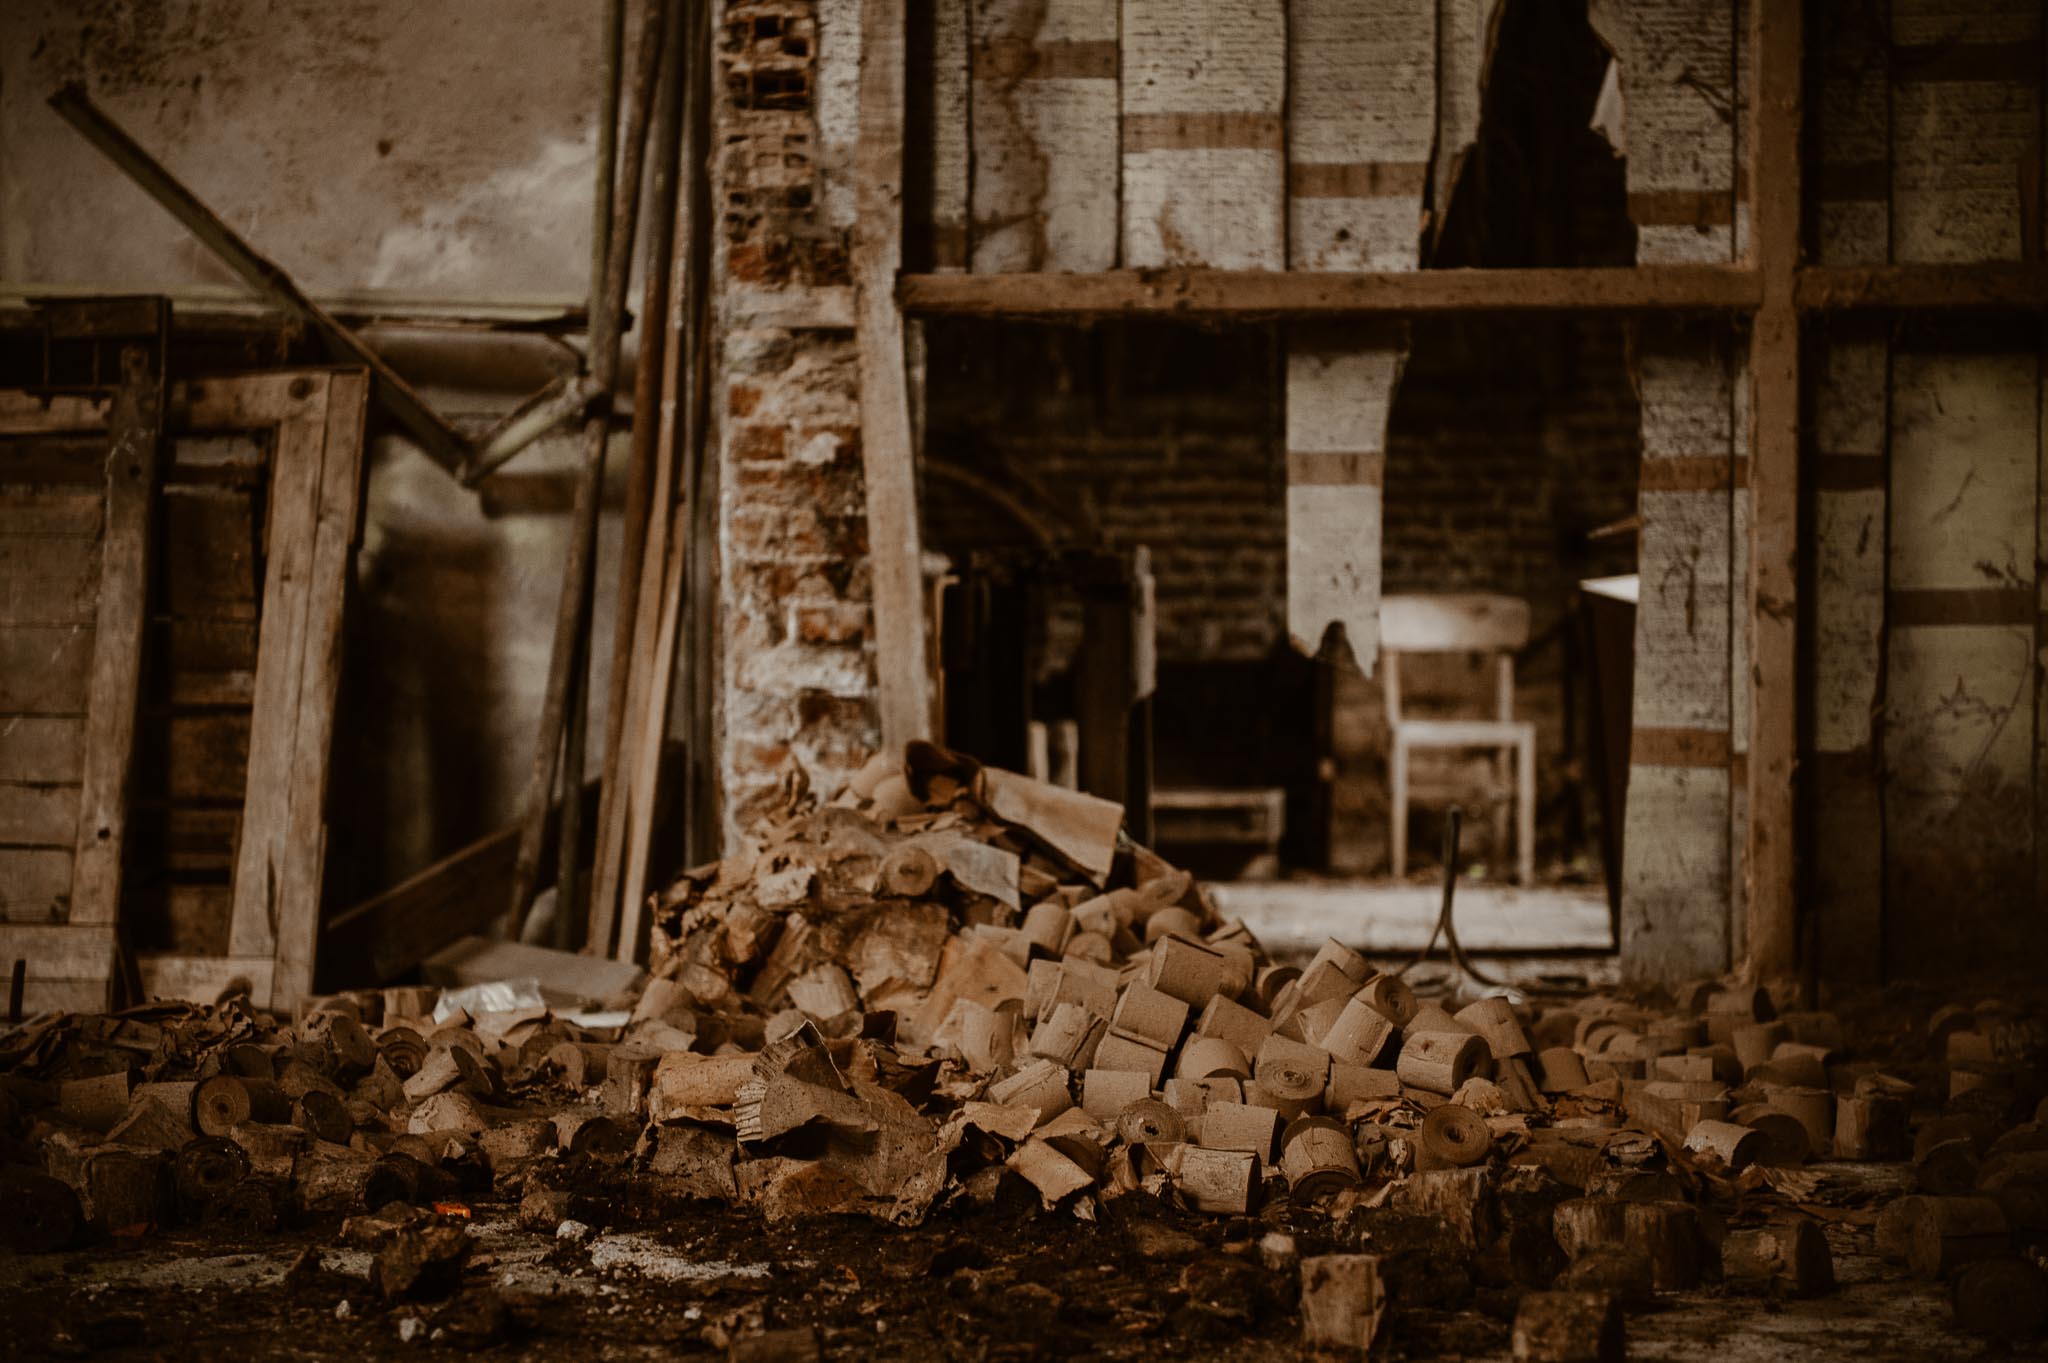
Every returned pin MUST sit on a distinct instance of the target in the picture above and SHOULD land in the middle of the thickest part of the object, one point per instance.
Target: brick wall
(1121, 435)
(796, 675)
(1507, 444)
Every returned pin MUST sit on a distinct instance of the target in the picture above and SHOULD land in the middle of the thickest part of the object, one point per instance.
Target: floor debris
(953, 994)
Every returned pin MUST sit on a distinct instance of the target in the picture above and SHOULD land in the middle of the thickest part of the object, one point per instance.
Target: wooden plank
(42, 748)
(1339, 390)
(246, 402)
(49, 413)
(1768, 667)
(281, 646)
(48, 579)
(38, 815)
(1454, 622)
(204, 979)
(65, 996)
(45, 669)
(1308, 293)
(1045, 155)
(207, 662)
(136, 427)
(208, 562)
(35, 883)
(196, 756)
(1204, 136)
(652, 728)
(59, 951)
(31, 511)
(2041, 636)
(1361, 120)
(1847, 613)
(337, 528)
(567, 979)
(888, 454)
(1958, 741)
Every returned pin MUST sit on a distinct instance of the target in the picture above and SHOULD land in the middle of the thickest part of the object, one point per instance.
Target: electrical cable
(1446, 925)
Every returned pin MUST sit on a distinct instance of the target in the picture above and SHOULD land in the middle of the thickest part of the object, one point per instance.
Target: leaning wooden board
(311, 423)
(61, 541)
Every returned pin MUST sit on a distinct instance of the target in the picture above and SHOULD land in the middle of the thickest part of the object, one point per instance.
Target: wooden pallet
(225, 780)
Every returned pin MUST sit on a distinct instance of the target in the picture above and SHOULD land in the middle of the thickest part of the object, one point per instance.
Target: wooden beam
(888, 455)
(1299, 293)
(573, 605)
(1634, 289)
(1775, 54)
(441, 441)
(115, 688)
(1923, 288)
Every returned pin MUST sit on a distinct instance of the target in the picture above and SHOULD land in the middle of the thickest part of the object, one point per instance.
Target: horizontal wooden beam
(1923, 288)
(1638, 289)
(1295, 293)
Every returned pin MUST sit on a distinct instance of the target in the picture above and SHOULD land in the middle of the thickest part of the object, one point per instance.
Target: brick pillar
(795, 675)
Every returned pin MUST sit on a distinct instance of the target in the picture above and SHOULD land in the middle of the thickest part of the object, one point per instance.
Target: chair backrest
(1467, 622)
(1471, 622)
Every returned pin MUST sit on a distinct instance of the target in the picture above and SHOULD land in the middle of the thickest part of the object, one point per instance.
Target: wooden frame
(313, 525)
(1774, 288)
(72, 964)
(888, 450)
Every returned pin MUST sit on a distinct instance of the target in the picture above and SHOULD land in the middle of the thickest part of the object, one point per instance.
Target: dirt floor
(657, 1278)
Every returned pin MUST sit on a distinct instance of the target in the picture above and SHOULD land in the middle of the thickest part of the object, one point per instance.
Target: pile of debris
(951, 978)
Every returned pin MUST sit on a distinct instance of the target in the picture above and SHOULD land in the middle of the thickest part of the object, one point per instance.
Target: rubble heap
(950, 977)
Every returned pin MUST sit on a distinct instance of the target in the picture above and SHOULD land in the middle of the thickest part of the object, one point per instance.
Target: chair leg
(1497, 850)
(1525, 809)
(1397, 807)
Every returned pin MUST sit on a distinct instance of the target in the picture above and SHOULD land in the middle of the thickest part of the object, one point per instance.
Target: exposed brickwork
(793, 581)
(1506, 446)
(1156, 435)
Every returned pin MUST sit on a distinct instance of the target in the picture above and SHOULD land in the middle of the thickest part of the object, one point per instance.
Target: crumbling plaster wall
(372, 146)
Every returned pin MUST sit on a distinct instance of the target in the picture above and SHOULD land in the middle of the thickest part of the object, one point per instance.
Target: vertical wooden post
(115, 688)
(888, 458)
(572, 613)
(1774, 185)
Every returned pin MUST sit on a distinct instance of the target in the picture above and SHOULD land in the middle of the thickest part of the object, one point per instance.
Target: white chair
(1469, 623)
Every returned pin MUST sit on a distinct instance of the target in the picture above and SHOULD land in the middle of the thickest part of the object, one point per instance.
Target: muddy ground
(657, 1278)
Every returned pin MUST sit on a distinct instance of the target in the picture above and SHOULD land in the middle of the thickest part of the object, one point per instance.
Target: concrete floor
(1549, 934)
